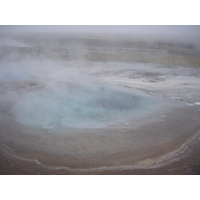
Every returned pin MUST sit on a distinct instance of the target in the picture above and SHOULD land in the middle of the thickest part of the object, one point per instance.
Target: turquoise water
(78, 106)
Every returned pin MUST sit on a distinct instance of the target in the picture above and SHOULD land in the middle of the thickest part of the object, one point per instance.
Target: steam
(50, 73)
(11, 42)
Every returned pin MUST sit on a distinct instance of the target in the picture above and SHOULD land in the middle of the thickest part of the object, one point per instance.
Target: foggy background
(128, 29)
(183, 34)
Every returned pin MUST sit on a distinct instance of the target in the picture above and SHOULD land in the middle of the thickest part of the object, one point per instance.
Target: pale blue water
(76, 106)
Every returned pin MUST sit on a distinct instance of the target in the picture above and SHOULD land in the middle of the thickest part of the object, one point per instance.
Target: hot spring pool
(62, 106)
(91, 125)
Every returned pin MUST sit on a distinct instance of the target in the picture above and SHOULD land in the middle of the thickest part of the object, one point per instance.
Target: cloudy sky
(135, 29)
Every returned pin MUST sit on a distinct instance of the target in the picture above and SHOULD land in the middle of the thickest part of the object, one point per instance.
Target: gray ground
(164, 140)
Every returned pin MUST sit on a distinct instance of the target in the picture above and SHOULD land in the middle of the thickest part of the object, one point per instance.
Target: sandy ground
(164, 141)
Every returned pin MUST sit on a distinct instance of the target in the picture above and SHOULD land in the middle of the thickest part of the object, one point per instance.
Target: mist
(42, 52)
(79, 98)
